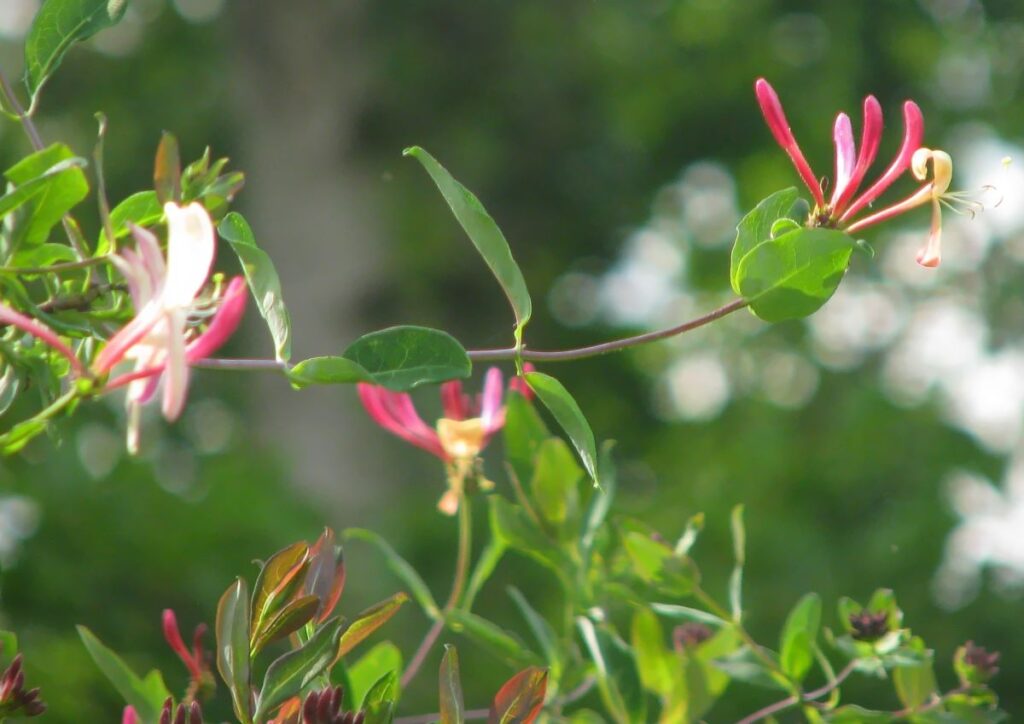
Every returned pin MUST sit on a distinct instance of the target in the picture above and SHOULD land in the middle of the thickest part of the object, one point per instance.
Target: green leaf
(739, 545)
(167, 169)
(485, 565)
(401, 358)
(485, 235)
(57, 26)
(656, 664)
(379, 703)
(277, 581)
(382, 660)
(744, 665)
(287, 620)
(288, 675)
(569, 416)
(450, 688)
(554, 482)
(915, 683)
(655, 563)
(600, 501)
(542, 631)
(693, 528)
(232, 633)
(756, 227)
(792, 276)
(521, 698)
(796, 647)
(142, 209)
(853, 714)
(327, 371)
(685, 613)
(21, 435)
(53, 183)
(369, 621)
(496, 640)
(524, 432)
(8, 646)
(263, 281)
(401, 568)
(617, 677)
(513, 527)
(146, 695)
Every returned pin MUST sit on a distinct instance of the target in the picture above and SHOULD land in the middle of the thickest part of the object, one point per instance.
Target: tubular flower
(162, 338)
(841, 209)
(457, 439)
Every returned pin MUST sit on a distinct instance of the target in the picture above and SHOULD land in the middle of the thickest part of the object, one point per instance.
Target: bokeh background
(617, 143)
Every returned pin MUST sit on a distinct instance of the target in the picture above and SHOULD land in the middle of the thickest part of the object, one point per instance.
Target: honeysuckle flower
(841, 209)
(162, 338)
(193, 659)
(457, 439)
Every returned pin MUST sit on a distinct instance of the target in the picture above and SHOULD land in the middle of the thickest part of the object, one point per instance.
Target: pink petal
(176, 372)
(42, 332)
(129, 716)
(913, 123)
(190, 250)
(518, 384)
(129, 335)
(846, 154)
(152, 257)
(771, 107)
(871, 137)
(453, 401)
(918, 198)
(378, 403)
(223, 324)
(491, 412)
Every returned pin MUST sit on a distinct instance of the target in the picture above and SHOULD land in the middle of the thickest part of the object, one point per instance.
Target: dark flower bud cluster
(13, 697)
(324, 707)
(190, 713)
(868, 626)
(689, 635)
(975, 664)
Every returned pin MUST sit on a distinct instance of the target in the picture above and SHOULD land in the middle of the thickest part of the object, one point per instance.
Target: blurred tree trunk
(298, 77)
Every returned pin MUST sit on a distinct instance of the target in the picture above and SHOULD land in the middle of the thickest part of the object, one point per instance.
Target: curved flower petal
(42, 332)
(176, 373)
(190, 251)
(381, 406)
(128, 336)
(491, 413)
(846, 154)
(771, 107)
(453, 401)
(913, 124)
(870, 139)
(224, 322)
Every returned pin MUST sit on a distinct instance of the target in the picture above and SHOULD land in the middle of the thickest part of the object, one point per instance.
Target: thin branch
(472, 714)
(808, 697)
(564, 355)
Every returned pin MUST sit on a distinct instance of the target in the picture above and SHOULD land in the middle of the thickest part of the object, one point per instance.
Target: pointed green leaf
(796, 646)
(792, 276)
(401, 568)
(167, 170)
(524, 432)
(57, 26)
(383, 660)
(617, 677)
(369, 621)
(53, 183)
(401, 358)
(485, 565)
(685, 613)
(490, 636)
(263, 281)
(600, 501)
(569, 416)
(656, 664)
(739, 546)
(450, 688)
(232, 633)
(142, 209)
(378, 705)
(484, 233)
(756, 227)
(541, 631)
(287, 620)
(554, 481)
(521, 698)
(288, 675)
(327, 371)
(146, 695)
(272, 587)
(513, 527)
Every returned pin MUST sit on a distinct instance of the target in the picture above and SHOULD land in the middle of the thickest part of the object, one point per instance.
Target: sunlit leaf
(146, 695)
(484, 233)
(52, 183)
(272, 587)
(656, 664)
(521, 698)
(57, 26)
(617, 677)
(401, 358)
(756, 227)
(569, 417)
(490, 636)
(401, 568)
(288, 675)
(369, 621)
(263, 281)
(554, 481)
(450, 688)
(379, 702)
(796, 648)
(232, 633)
(792, 276)
(142, 209)
(327, 371)
(294, 615)
(383, 660)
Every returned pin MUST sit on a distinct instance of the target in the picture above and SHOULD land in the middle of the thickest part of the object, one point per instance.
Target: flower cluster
(458, 437)
(842, 209)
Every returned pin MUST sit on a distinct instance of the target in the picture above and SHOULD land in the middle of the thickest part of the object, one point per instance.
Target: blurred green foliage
(565, 119)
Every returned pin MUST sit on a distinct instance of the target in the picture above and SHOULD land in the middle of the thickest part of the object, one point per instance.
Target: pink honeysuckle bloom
(193, 659)
(458, 437)
(129, 716)
(841, 210)
(161, 338)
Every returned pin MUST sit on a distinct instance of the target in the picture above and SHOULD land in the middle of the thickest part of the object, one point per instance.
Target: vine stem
(458, 586)
(511, 353)
(794, 700)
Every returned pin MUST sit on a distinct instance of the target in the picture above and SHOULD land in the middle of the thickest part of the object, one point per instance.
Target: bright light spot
(210, 425)
(175, 469)
(19, 518)
(987, 400)
(862, 317)
(697, 386)
(574, 299)
(643, 285)
(199, 11)
(787, 379)
(124, 38)
(16, 17)
(981, 161)
(99, 449)
(707, 194)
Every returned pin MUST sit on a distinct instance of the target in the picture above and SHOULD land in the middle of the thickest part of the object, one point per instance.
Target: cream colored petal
(190, 251)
